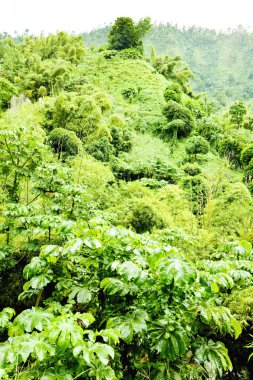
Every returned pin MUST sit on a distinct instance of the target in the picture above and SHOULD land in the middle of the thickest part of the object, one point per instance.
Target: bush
(125, 34)
(104, 148)
(231, 146)
(248, 123)
(175, 111)
(152, 183)
(172, 95)
(130, 93)
(109, 54)
(231, 212)
(79, 113)
(172, 129)
(197, 191)
(192, 169)
(121, 140)
(179, 207)
(173, 92)
(237, 112)
(197, 145)
(209, 128)
(64, 142)
(247, 155)
(101, 149)
(7, 92)
(157, 170)
(130, 54)
(162, 171)
(248, 176)
(143, 218)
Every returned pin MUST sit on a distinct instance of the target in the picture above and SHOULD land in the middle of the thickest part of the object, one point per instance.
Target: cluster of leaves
(39, 66)
(158, 170)
(151, 310)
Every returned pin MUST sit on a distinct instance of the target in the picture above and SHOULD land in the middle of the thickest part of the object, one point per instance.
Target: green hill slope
(135, 87)
(126, 219)
(220, 61)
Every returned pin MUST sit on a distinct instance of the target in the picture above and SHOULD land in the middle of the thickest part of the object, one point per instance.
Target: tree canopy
(125, 34)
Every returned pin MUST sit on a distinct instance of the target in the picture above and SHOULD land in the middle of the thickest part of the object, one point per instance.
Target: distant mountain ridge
(221, 61)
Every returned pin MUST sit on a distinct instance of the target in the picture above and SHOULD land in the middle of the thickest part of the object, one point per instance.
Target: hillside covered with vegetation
(220, 61)
(126, 215)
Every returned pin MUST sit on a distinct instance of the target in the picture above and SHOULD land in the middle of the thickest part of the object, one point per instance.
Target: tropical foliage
(126, 216)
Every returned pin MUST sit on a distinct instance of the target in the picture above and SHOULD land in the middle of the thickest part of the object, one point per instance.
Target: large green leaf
(40, 281)
(65, 332)
(5, 315)
(129, 270)
(30, 319)
(35, 267)
(220, 318)
(72, 246)
(134, 322)
(169, 338)
(114, 285)
(82, 294)
(177, 270)
(103, 352)
(214, 353)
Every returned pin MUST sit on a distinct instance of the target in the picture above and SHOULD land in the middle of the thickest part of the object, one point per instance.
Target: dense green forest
(220, 61)
(126, 210)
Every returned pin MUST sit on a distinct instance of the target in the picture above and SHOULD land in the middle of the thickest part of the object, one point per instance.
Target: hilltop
(221, 61)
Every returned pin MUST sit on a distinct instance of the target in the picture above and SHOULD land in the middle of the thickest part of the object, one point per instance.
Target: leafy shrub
(64, 142)
(197, 145)
(151, 292)
(143, 218)
(172, 68)
(197, 190)
(209, 128)
(8, 90)
(192, 169)
(157, 170)
(240, 302)
(175, 111)
(247, 155)
(248, 123)
(230, 213)
(130, 93)
(109, 54)
(79, 113)
(121, 139)
(196, 107)
(179, 207)
(152, 183)
(163, 171)
(130, 54)
(231, 146)
(237, 112)
(248, 176)
(125, 34)
(101, 149)
(173, 92)
(172, 129)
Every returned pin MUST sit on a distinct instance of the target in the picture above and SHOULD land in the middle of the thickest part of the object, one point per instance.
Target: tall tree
(125, 34)
(237, 112)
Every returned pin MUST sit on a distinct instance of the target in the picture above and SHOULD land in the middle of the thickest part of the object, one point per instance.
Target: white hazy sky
(84, 15)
